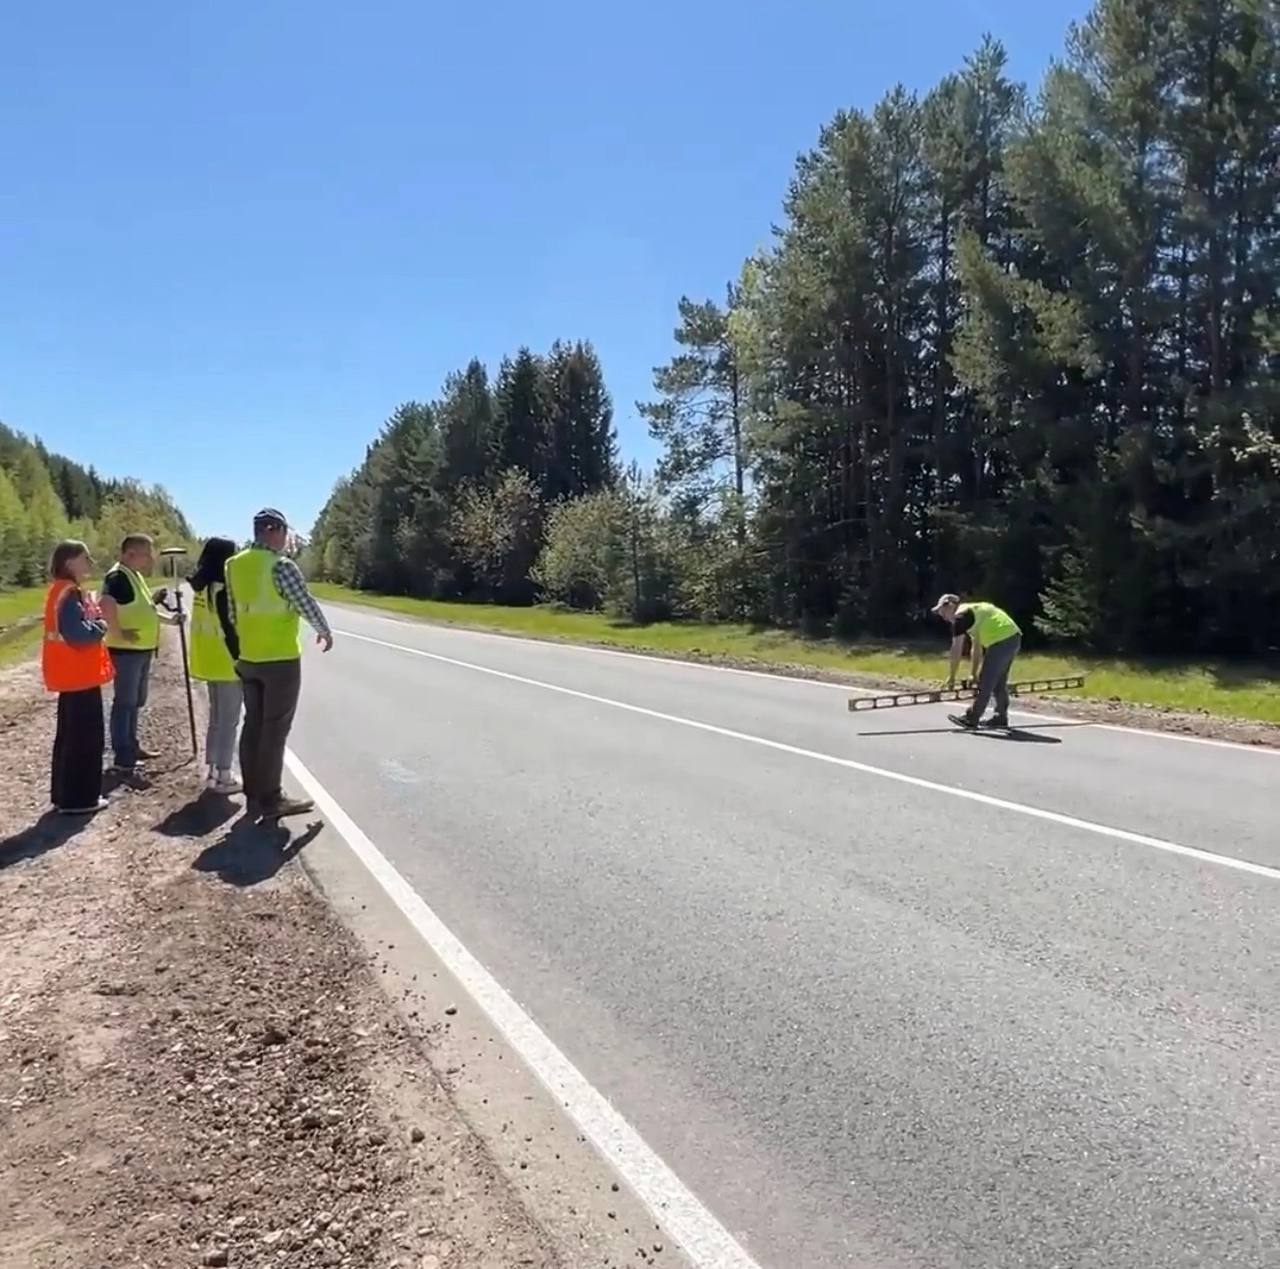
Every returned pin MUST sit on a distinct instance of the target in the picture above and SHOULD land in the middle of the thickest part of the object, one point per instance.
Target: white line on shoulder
(708, 1244)
(901, 777)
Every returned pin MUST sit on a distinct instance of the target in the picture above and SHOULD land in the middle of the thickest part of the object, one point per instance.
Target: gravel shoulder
(197, 1063)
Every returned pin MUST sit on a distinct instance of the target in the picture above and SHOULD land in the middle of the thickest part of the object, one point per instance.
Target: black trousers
(271, 690)
(77, 751)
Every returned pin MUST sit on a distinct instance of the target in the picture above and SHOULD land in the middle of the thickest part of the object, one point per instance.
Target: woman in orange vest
(76, 665)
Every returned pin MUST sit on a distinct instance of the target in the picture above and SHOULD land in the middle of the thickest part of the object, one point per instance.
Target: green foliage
(452, 496)
(130, 507)
(717, 566)
(497, 534)
(585, 539)
(644, 574)
(15, 535)
(45, 497)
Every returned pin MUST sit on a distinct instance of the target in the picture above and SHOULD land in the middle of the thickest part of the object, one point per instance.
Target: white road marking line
(847, 688)
(901, 777)
(568, 646)
(708, 1244)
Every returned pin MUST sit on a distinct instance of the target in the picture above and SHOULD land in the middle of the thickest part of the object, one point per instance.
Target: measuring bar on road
(1027, 687)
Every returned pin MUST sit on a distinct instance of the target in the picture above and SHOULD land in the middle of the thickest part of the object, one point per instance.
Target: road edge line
(782, 676)
(707, 1243)
(849, 764)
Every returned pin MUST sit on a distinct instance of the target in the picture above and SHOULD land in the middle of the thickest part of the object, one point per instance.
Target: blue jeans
(133, 672)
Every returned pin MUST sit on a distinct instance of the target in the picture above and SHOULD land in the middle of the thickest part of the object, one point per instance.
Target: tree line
(45, 497)
(1016, 344)
(453, 496)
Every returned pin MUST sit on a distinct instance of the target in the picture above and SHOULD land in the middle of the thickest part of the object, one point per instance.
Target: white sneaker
(210, 778)
(226, 784)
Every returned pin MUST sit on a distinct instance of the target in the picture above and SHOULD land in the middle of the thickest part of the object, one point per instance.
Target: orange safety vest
(70, 667)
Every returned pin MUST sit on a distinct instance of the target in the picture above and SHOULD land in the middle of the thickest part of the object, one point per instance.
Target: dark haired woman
(75, 664)
(214, 652)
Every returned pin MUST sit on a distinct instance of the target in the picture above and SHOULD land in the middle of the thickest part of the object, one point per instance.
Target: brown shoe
(285, 807)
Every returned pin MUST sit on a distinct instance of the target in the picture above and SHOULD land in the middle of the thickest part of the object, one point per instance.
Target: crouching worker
(215, 648)
(996, 640)
(75, 664)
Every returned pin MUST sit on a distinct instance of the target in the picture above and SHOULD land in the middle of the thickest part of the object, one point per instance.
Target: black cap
(270, 518)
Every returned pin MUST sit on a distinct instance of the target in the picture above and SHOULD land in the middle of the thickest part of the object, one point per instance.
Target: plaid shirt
(293, 590)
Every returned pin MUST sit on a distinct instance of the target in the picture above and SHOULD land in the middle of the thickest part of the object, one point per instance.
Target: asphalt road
(868, 1022)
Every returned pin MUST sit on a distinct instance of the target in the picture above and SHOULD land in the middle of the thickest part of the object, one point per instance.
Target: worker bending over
(996, 640)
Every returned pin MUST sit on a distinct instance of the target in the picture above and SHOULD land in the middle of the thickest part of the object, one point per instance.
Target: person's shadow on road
(249, 854)
(1020, 735)
(49, 832)
(1032, 735)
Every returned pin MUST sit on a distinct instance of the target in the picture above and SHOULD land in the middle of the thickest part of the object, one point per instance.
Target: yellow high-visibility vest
(210, 657)
(138, 614)
(991, 625)
(269, 630)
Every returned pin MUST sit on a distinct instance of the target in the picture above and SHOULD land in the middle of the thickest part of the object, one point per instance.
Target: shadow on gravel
(113, 780)
(250, 854)
(199, 818)
(49, 832)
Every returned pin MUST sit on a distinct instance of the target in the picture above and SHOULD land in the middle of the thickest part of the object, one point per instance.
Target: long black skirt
(77, 751)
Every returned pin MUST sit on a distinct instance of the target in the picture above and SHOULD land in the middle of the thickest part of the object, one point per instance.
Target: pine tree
(465, 414)
(698, 418)
(521, 423)
(392, 471)
(582, 446)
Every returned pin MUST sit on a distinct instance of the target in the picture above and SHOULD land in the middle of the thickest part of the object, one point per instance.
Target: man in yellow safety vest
(133, 635)
(267, 597)
(996, 640)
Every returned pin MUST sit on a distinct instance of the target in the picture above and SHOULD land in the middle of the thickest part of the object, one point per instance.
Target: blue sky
(233, 237)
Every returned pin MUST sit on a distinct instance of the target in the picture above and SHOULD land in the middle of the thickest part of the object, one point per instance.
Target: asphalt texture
(868, 1024)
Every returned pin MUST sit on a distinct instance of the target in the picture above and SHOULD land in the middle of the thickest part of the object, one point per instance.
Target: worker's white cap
(945, 602)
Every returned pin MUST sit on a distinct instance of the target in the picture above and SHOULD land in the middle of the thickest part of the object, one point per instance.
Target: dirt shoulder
(197, 1066)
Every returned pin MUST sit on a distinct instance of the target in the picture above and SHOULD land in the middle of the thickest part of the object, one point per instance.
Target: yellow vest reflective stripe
(991, 625)
(269, 630)
(210, 656)
(139, 614)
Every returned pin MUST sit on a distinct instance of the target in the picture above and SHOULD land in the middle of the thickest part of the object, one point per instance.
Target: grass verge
(17, 605)
(20, 614)
(18, 643)
(1225, 689)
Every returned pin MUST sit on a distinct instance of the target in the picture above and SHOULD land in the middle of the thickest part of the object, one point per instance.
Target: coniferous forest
(1014, 341)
